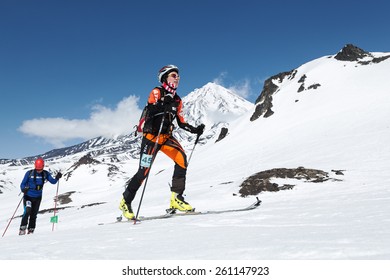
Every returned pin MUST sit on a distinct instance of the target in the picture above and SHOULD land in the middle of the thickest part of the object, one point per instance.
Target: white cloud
(103, 121)
(241, 88)
(220, 79)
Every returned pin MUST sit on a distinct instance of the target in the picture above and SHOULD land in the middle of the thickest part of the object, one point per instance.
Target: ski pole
(12, 217)
(196, 142)
(55, 206)
(154, 154)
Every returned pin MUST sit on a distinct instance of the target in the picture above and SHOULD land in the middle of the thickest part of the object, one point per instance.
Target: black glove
(199, 129)
(58, 176)
(25, 190)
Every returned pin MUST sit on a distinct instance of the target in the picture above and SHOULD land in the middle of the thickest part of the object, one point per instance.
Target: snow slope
(342, 125)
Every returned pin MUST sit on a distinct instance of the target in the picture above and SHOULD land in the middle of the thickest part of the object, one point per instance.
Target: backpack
(141, 123)
(139, 129)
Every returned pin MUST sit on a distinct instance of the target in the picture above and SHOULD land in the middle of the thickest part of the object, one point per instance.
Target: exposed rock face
(351, 53)
(65, 198)
(348, 53)
(223, 134)
(87, 159)
(302, 86)
(261, 181)
(264, 101)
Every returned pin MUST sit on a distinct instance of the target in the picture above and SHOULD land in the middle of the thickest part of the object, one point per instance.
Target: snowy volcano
(316, 142)
(214, 106)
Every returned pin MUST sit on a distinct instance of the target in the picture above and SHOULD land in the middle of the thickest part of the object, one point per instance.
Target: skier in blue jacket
(32, 186)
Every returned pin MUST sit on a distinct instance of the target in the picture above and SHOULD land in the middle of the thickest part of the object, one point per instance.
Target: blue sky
(76, 69)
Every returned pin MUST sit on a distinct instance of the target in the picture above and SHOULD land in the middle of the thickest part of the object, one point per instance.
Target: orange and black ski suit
(166, 142)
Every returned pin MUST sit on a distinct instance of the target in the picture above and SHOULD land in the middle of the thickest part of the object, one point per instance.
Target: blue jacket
(36, 185)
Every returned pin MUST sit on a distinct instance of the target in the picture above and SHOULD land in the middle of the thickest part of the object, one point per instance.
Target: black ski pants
(31, 208)
(169, 146)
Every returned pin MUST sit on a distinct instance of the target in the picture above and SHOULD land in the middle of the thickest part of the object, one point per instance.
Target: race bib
(146, 160)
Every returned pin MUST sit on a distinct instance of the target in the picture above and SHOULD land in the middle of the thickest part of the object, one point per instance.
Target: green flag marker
(54, 219)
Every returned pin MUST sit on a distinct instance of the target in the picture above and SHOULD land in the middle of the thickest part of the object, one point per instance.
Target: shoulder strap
(162, 90)
(35, 177)
(44, 176)
(29, 175)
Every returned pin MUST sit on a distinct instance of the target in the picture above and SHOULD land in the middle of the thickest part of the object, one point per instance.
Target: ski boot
(22, 230)
(177, 202)
(126, 210)
(30, 230)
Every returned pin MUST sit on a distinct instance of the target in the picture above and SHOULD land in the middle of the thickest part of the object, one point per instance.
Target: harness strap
(38, 187)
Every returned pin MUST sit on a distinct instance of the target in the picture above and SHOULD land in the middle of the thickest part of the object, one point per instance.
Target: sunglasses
(174, 75)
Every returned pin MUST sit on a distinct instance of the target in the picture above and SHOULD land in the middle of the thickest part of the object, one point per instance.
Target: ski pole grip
(197, 139)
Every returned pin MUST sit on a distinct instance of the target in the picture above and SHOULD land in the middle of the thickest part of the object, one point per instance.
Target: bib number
(146, 160)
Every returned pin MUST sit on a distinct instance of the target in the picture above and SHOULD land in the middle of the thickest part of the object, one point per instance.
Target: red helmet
(39, 164)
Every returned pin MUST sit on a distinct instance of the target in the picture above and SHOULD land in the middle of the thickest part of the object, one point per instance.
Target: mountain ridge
(198, 106)
(348, 54)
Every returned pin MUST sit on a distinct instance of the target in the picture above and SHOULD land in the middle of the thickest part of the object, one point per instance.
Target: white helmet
(166, 70)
